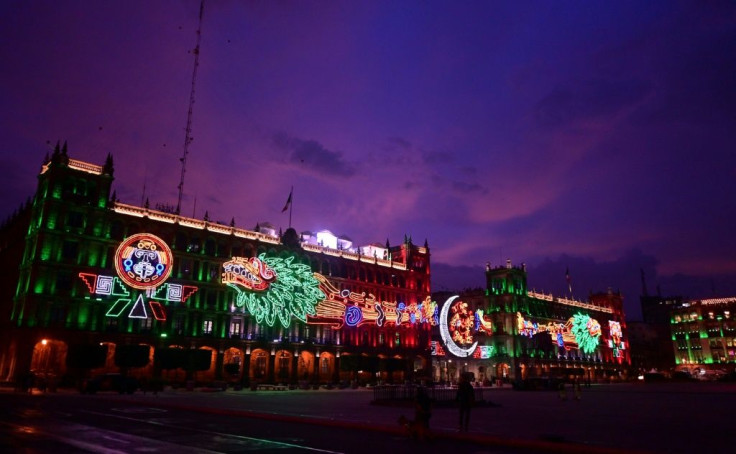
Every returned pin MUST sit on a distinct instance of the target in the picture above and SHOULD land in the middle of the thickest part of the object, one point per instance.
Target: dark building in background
(651, 342)
(92, 285)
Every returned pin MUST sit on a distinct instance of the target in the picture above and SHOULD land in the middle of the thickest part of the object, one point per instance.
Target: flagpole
(291, 205)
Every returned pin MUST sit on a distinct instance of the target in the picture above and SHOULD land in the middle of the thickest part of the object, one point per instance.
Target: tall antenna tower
(188, 137)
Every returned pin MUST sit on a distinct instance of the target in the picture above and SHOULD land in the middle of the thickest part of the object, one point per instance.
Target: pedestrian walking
(29, 380)
(422, 413)
(465, 399)
(563, 391)
(578, 389)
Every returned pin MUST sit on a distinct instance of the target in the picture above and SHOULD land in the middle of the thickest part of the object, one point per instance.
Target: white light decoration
(447, 337)
(104, 285)
(327, 239)
(139, 309)
(174, 292)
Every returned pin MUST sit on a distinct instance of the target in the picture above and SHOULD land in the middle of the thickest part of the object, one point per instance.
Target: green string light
(586, 342)
(295, 292)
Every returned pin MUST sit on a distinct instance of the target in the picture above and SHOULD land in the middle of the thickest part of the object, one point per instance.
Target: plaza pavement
(616, 418)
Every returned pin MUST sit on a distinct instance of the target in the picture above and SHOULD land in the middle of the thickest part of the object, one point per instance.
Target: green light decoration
(273, 288)
(587, 332)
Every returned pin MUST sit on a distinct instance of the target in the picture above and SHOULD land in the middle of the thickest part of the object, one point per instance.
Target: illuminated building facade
(508, 332)
(704, 335)
(95, 284)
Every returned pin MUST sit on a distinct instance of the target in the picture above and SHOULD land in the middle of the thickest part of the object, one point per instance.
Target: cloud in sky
(492, 130)
(310, 154)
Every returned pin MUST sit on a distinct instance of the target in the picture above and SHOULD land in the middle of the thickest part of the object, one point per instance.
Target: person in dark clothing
(422, 410)
(465, 399)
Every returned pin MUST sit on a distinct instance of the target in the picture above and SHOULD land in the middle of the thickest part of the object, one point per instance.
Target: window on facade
(195, 245)
(75, 219)
(324, 365)
(117, 230)
(69, 250)
(180, 242)
(207, 327)
(57, 316)
(236, 327)
(179, 324)
(211, 300)
(63, 282)
(146, 324)
(186, 268)
(209, 247)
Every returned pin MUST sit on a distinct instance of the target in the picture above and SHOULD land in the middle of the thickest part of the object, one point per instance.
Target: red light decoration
(143, 261)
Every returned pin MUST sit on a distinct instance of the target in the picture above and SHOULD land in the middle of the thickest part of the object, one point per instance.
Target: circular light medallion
(143, 261)
(447, 337)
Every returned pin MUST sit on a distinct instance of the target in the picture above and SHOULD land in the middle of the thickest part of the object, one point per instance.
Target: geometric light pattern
(173, 292)
(139, 309)
(159, 313)
(104, 285)
(108, 286)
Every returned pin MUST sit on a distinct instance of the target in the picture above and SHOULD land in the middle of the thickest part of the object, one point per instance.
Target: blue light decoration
(353, 316)
(381, 315)
(399, 312)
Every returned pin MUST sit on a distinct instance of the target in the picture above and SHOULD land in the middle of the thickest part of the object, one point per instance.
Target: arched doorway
(232, 364)
(48, 362)
(503, 371)
(326, 367)
(206, 375)
(259, 365)
(109, 365)
(305, 366)
(282, 366)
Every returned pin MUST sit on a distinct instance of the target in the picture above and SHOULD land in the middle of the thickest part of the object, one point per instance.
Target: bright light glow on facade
(447, 337)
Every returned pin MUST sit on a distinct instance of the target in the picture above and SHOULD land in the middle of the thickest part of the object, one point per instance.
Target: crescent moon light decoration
(445, 333)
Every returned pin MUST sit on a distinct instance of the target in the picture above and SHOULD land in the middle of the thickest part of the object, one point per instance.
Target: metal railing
(438, 394)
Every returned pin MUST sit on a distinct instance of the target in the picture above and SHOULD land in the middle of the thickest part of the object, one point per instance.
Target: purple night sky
(594, 136)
